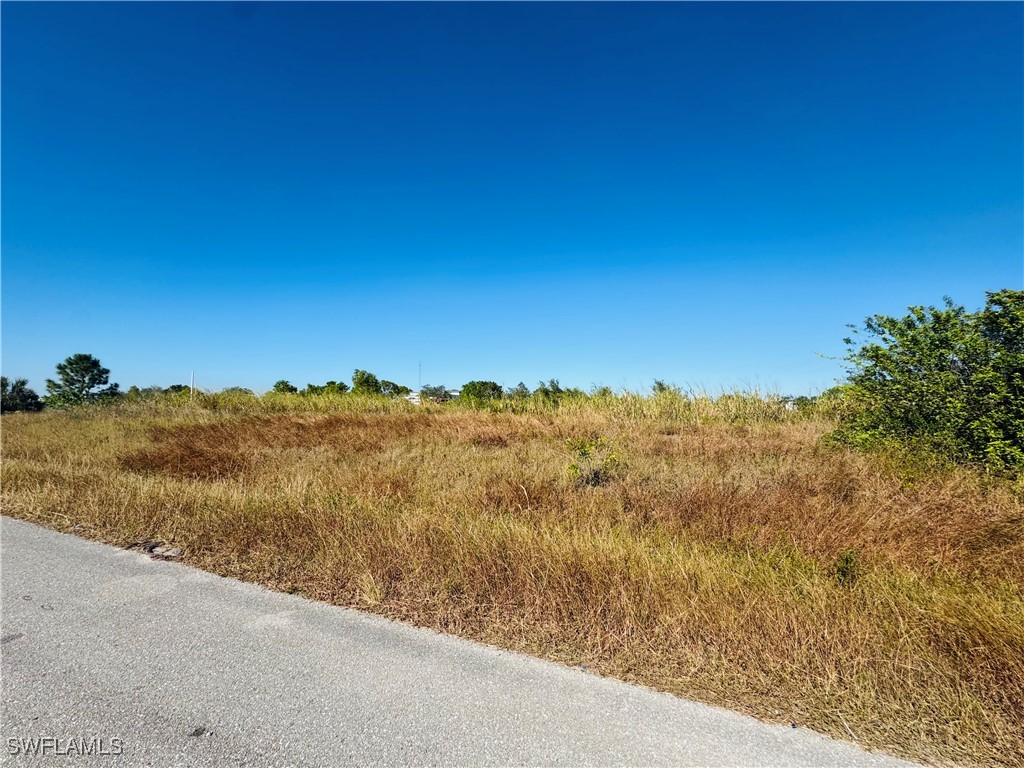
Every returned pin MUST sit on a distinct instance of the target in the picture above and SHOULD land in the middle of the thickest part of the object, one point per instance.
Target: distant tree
(238, 391)
(330, 388)
(548, 390)
(390, 389)
(661, 388)
(601, 391)
(175, 388)
(519, 391)
(365, 383)
(18, 396)
(428, 392)
(285, 388)
(482, 390)
(82, 379)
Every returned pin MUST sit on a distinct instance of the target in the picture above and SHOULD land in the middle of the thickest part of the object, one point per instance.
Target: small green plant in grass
(846, 569)
(594, 461)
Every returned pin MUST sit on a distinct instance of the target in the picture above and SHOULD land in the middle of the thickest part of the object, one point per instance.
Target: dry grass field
(727, 555)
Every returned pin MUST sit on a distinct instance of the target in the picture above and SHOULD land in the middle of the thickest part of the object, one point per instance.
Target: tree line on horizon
(83, 380)
(944, 380)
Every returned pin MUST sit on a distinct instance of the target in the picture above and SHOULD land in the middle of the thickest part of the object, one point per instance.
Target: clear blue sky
(599, 193)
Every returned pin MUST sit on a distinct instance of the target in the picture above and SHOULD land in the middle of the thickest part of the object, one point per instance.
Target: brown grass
(708, 565)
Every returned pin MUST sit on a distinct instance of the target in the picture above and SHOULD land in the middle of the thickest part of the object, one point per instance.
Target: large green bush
(943, 379)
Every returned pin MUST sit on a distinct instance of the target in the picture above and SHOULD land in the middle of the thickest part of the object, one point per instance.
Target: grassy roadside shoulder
(731, 560)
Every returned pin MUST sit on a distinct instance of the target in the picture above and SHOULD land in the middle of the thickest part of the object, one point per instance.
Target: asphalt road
(113, 651)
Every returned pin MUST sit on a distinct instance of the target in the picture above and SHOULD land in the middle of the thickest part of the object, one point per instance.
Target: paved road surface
(190, 669)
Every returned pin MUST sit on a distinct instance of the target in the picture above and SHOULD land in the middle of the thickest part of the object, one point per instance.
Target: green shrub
(593, 460)
(846, 569)
(943, 380)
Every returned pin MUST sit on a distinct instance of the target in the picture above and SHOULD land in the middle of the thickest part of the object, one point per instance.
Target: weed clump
(847, 568)
(594, 462)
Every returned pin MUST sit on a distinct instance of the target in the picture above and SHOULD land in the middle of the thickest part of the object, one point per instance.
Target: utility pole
(419, 377)
(192, 387)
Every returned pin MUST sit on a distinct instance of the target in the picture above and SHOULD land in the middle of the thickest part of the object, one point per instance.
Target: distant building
(415, 399)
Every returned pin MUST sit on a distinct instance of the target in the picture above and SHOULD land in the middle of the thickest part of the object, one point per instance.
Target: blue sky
(599, 193)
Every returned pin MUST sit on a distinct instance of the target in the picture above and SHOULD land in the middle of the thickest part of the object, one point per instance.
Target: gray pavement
(171, 666)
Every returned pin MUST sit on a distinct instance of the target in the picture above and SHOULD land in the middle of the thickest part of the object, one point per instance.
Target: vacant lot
(726, 555)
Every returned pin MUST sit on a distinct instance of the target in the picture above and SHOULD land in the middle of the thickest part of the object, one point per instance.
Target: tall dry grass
(731, 557)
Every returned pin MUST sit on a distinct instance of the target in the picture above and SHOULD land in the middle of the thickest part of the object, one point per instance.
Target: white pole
(192, 387)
